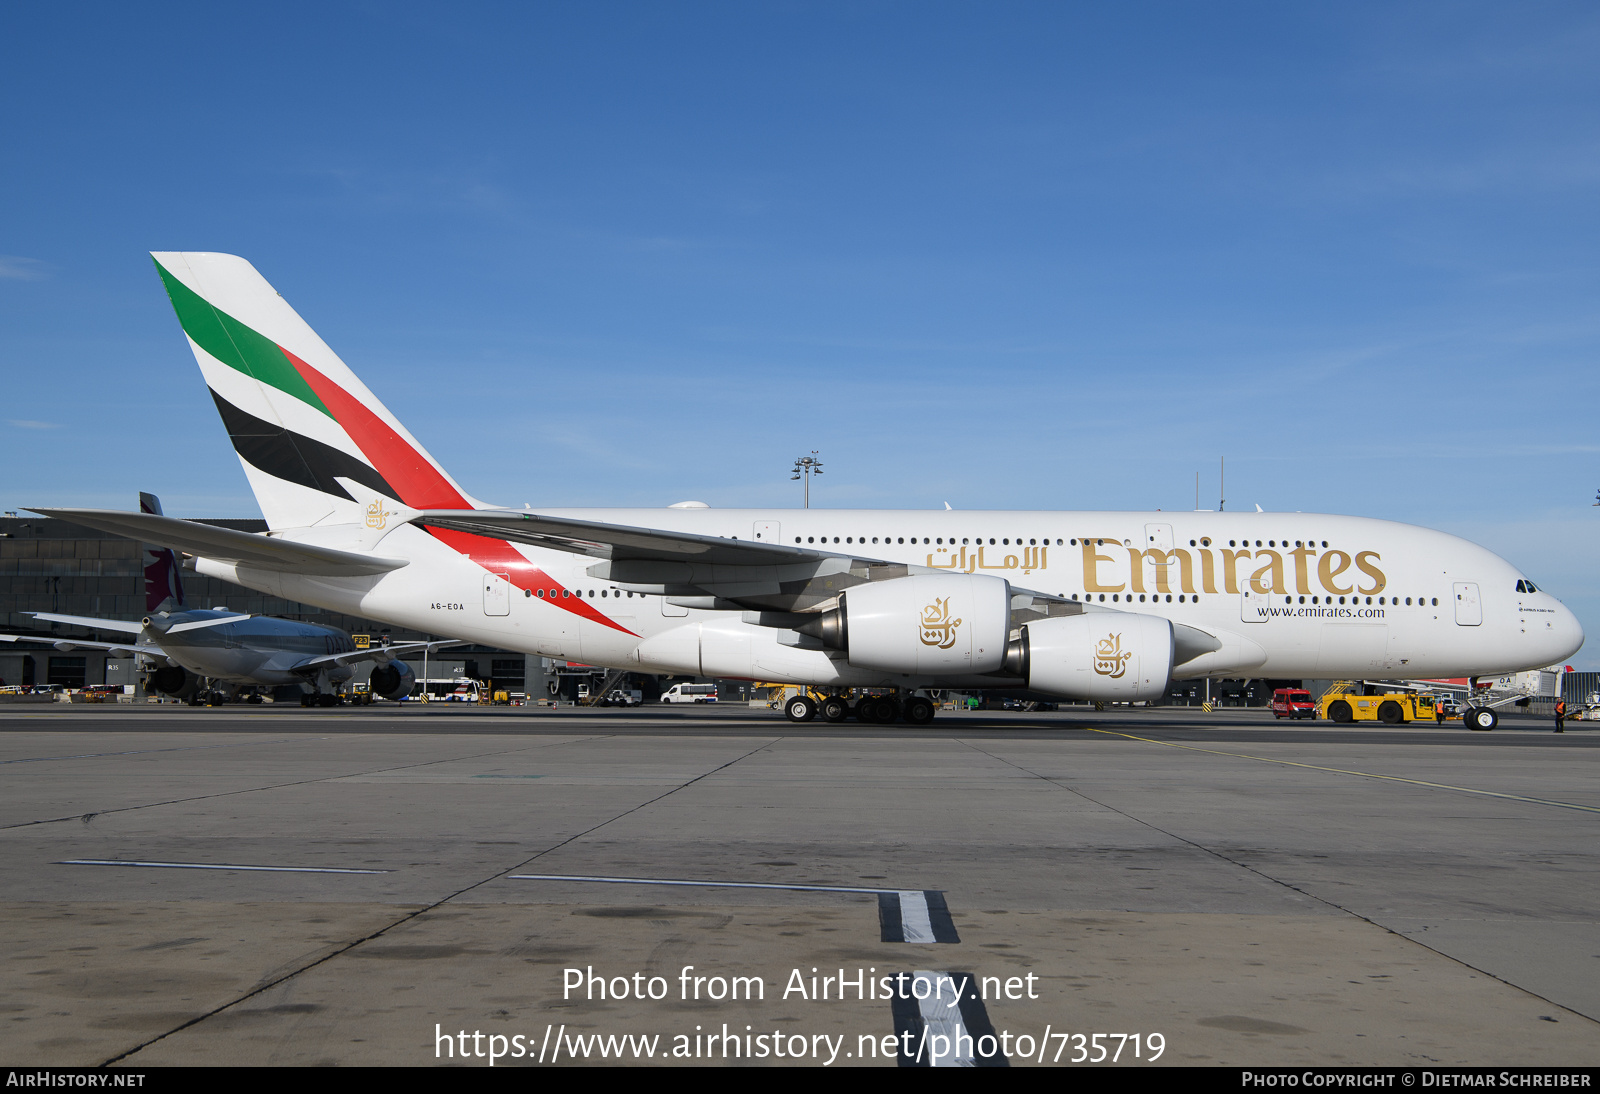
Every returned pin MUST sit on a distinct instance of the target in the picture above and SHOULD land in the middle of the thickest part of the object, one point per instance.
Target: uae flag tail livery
(315, 443)
(320, 450)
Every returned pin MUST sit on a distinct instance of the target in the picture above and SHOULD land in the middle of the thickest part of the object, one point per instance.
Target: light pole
(805, 467)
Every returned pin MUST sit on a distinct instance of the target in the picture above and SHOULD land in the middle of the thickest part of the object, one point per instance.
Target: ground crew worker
(1561, 714)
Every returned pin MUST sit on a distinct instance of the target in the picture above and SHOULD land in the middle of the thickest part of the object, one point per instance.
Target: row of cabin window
(1204, 541)
(1154, 598)
(1116, 598)
(579, 594)
(936, 539)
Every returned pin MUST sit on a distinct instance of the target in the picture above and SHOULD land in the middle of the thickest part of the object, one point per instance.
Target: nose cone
(1566, 634)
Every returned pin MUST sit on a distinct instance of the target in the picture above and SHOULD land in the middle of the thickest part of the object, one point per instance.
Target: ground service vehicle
(1293, 703)
(1390, 707)
(690, 693)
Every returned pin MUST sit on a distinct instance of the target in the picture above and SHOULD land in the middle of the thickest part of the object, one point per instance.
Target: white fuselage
(1288, 594)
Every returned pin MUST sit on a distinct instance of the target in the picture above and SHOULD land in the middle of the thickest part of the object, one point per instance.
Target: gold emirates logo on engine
(938, 629)
(1109, 657)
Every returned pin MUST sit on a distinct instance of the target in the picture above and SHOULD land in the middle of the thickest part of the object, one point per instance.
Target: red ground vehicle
(1293, 703)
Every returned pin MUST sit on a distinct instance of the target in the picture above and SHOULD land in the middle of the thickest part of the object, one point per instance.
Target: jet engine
(394, 680)
(925, 625)
(170, 680)
(1104, 656)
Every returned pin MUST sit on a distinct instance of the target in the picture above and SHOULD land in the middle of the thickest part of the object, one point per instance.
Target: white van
(690, 693)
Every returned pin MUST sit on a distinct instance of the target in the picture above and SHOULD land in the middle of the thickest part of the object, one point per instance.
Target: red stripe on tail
(422, 486)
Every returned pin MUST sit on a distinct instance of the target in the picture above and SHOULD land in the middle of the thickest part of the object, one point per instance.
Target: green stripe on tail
(235, 344)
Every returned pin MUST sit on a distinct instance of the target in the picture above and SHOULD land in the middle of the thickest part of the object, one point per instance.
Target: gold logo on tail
(376, 517)
(938, 629)
(1110, 658)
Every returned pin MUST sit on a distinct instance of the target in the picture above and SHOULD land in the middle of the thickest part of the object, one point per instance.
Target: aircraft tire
(834, 709)
(918, 711)
(1482, 719)
(800, 709)
(1339, 711)
(887, 710)
(866, 710)
(1389, 713)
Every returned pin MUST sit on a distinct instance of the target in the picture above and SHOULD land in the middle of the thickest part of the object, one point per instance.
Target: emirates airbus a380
(1105, 606)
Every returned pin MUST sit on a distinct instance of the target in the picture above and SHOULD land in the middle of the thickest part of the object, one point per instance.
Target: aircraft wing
(66, 645)
(264, 552)
(375, 653)
(617, 542)
(694, 570)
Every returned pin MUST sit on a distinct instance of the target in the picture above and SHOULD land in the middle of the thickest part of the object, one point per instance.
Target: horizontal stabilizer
(89, 621)
(197, 624)
(227, 545)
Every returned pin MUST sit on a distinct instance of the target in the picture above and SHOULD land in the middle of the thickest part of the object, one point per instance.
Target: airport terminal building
(51, 565)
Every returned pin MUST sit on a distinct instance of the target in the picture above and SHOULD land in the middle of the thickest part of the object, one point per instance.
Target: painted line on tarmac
(940, 1031)
(1362, 774)
(904, 915)
(705, 884)
(215, 866)
(915, 915)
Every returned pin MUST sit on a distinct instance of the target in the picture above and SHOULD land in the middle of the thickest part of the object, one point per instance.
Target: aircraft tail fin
(163, 581)
(316, 444)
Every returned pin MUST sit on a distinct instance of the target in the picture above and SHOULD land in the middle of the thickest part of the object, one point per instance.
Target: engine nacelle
(393, 681)
(1105, 656)
(924, 625)
(173, 681)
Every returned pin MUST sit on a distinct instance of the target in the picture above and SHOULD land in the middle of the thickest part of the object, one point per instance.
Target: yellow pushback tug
(1357, 701)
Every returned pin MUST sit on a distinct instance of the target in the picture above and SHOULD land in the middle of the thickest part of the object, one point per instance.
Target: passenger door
(1469, 608)
(1253, 605)
(496, 594)
(1158, 537)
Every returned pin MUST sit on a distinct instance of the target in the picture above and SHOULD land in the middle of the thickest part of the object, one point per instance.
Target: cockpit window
(1522, 586)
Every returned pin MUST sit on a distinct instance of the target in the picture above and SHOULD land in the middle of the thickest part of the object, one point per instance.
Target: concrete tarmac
(1234, 890)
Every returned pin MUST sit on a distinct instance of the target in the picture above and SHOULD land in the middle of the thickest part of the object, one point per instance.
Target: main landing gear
(871, 709)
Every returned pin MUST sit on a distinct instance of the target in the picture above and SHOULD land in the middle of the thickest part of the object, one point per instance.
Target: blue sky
(1003, 255)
